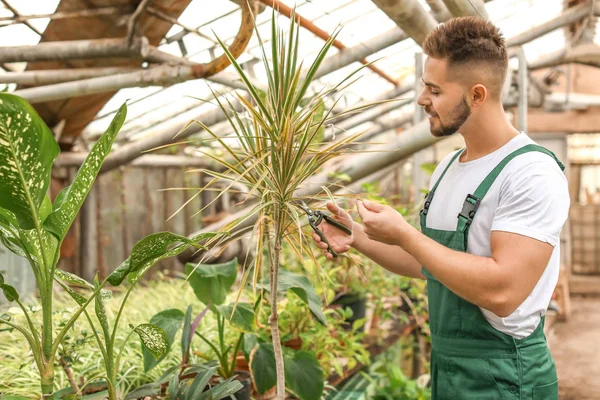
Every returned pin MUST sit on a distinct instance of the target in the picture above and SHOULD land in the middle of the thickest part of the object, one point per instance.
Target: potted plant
(278, 148)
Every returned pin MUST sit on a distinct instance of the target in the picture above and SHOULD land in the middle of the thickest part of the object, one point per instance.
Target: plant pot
(241, 364)
(92, 391)
(245, 393)
(295, 343)
(357, 303)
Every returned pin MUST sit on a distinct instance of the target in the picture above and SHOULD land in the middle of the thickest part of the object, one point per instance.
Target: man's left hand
(382, 223)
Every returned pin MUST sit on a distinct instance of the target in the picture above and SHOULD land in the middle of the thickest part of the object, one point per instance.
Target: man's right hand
(339, 240)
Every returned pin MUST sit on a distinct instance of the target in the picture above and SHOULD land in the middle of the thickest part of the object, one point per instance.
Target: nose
(423, 100)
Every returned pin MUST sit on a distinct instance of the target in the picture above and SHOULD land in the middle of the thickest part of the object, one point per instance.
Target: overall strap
(471, 204)
(429, 197)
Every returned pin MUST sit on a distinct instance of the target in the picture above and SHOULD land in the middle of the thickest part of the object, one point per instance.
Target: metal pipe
(306, 24)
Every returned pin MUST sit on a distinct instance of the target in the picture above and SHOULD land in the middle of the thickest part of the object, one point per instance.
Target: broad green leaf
(154, 339)
(170, 321)
(303, 375)
(250, 341)
(149, 251)
(60, 220)
(263, 368)
(186, 336)
(241, 316)
(212, 282)
(301, 286)
(9, 292)
(73, 279)
(27, 150)
(149, 389)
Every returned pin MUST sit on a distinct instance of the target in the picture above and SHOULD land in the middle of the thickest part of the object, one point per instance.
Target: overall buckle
(428, 199)
(469, 209)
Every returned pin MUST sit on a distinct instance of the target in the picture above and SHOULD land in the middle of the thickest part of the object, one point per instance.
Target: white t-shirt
(529, 197)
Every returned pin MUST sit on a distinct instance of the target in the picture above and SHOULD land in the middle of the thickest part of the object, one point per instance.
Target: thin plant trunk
(274, 318)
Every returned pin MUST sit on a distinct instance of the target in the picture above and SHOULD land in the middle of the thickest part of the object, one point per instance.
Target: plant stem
(274, 318)
(235, 351)
(70, 376)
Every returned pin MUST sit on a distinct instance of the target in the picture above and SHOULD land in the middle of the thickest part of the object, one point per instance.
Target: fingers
(362, 211)
(373, 206)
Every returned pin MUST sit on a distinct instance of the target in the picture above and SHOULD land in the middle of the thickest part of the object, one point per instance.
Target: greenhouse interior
(234, 199)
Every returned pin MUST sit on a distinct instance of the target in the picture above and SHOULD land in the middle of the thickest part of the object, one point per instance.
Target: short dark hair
(470, 40)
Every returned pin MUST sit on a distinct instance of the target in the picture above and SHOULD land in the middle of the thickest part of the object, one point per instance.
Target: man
(490, 226)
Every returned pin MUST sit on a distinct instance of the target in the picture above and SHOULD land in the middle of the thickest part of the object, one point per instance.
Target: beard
(455, 120)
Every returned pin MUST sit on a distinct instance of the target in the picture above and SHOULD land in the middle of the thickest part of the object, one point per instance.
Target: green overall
(470, 359)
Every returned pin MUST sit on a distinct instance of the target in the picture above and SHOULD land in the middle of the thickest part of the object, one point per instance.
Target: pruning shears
(315, 217)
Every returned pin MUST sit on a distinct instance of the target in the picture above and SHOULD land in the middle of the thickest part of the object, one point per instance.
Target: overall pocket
(469, 379)
(546, 392)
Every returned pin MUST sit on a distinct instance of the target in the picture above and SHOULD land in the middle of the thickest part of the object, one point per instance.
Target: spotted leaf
(153, 338)
(148, 252)
(71, 198)
(27, 150)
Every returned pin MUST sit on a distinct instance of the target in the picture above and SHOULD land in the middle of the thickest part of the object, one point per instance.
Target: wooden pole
(93, 12)
(46, 77)
(75, 49)
(410, 16)
(474, 8)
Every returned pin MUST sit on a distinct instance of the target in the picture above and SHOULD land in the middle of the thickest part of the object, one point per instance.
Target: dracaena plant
(33, 227)
(277, 148)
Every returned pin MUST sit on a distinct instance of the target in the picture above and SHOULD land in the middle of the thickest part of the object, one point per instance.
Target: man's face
(444, 100)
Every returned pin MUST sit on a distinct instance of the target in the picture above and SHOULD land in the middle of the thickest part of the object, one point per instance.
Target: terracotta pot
(295, 343)
(241, 364)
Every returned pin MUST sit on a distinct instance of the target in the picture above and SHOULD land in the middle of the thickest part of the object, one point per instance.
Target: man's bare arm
(392, 258)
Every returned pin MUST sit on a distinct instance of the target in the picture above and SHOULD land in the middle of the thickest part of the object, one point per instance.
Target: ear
(479, 94)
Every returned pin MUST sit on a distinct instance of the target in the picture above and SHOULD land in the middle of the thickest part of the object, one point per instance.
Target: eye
(433, 92)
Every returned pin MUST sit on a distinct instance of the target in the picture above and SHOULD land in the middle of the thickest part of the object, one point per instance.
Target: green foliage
(388, 382)
(302, 287)
(212, 282)
(170, 321)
